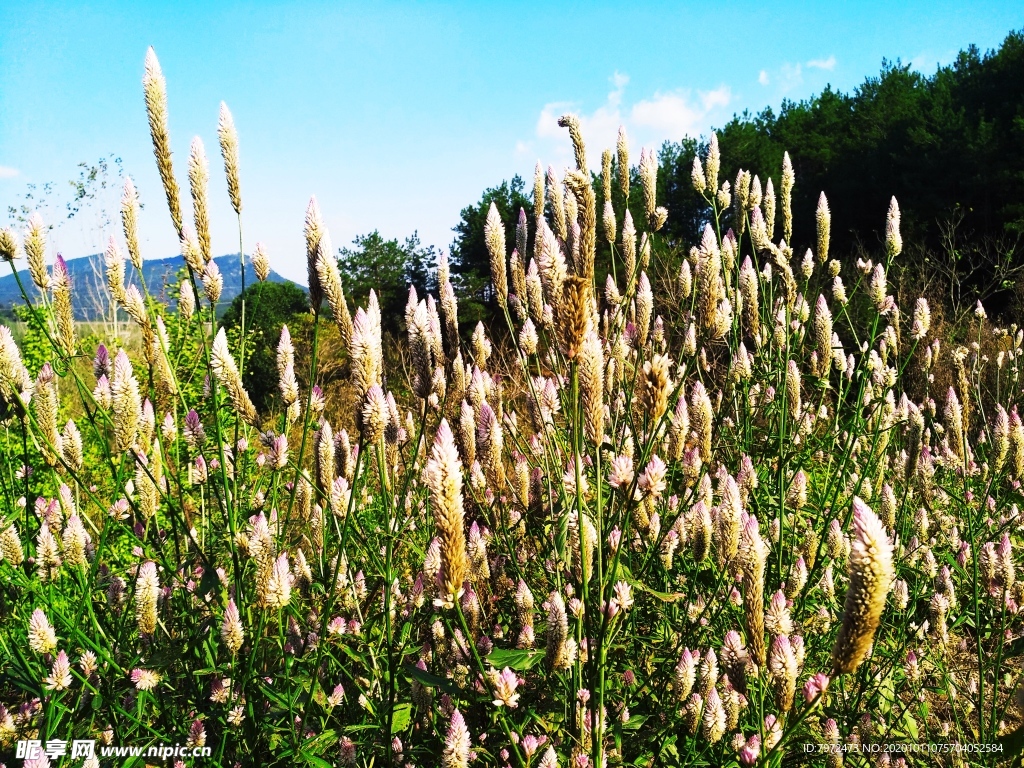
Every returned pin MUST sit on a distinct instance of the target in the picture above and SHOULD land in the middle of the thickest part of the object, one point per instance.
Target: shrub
(270, 306)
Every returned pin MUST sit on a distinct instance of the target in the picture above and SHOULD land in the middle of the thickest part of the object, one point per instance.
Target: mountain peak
(91, 300)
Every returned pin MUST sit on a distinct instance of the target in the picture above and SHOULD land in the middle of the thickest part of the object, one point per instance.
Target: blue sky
(396, 115)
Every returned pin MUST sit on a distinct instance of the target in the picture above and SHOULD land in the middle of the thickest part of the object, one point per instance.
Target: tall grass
(595, 546)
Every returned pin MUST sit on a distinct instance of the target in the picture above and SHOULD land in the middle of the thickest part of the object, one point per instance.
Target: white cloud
(678, 114)
(829, 63)
(599, 128)
(927, 62)
(665, 115)
(790, 75)
(6, 172)
(620, 81)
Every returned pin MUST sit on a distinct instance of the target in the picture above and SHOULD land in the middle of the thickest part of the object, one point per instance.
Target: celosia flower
(443, 477)
(505, 684)
(922, 320)
(279, 452)
(685, 675)
(231, 631)
(750, 751)
(692, 713)
(35, 251)
(220, 690)
(561, 649)
(531, 744)
(569, 483)
(8, 728)
(878, 286)
(126, 402)
(147, 590)
(528, 338)
(714, 721)
(623, 595)
(754, 553)
(824, 220)
(494, 237)
(336, 697)
(871, 575)
(614, 539)
(229, 150)
(347, 750)
(893, 240)
(279, 586)
(652, 480)
(224, 368)
(777, 618)
(196, 734)
(87, 663)
(10, 248)
(41, 636)
(60, 674)
(772, 731)
(145, 679)
(10, 546)
(815, 686)
(456, 743)
(260, 262)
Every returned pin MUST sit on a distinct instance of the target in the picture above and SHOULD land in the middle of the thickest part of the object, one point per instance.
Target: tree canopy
(389, 268)
(470, 262)
(268, 306)
(949, 143)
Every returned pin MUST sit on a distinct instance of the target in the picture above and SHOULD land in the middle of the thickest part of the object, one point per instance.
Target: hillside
(89, 291)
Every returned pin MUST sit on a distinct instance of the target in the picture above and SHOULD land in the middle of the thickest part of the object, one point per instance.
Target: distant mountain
(89, 295)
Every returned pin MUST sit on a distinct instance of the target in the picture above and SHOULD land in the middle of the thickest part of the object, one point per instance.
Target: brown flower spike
(574, 315)
(871, 575)
(443, 476)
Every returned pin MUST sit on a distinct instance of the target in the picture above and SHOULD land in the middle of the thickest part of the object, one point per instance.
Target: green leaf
(911, 724)
(314, 760)
(886, 694)
(362, 727)
(670, 748)
(433, 681)
(665, 597)
(514, 658)
(634, 723)
(401, 717)
(320, 697)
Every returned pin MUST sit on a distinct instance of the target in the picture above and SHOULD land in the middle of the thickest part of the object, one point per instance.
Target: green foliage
(35, 348)
(470, 262)
(688, 210)
(268, 306)
(389, 268)
(952, 140)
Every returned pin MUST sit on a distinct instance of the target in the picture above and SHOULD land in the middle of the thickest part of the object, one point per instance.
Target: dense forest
(950, 141)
